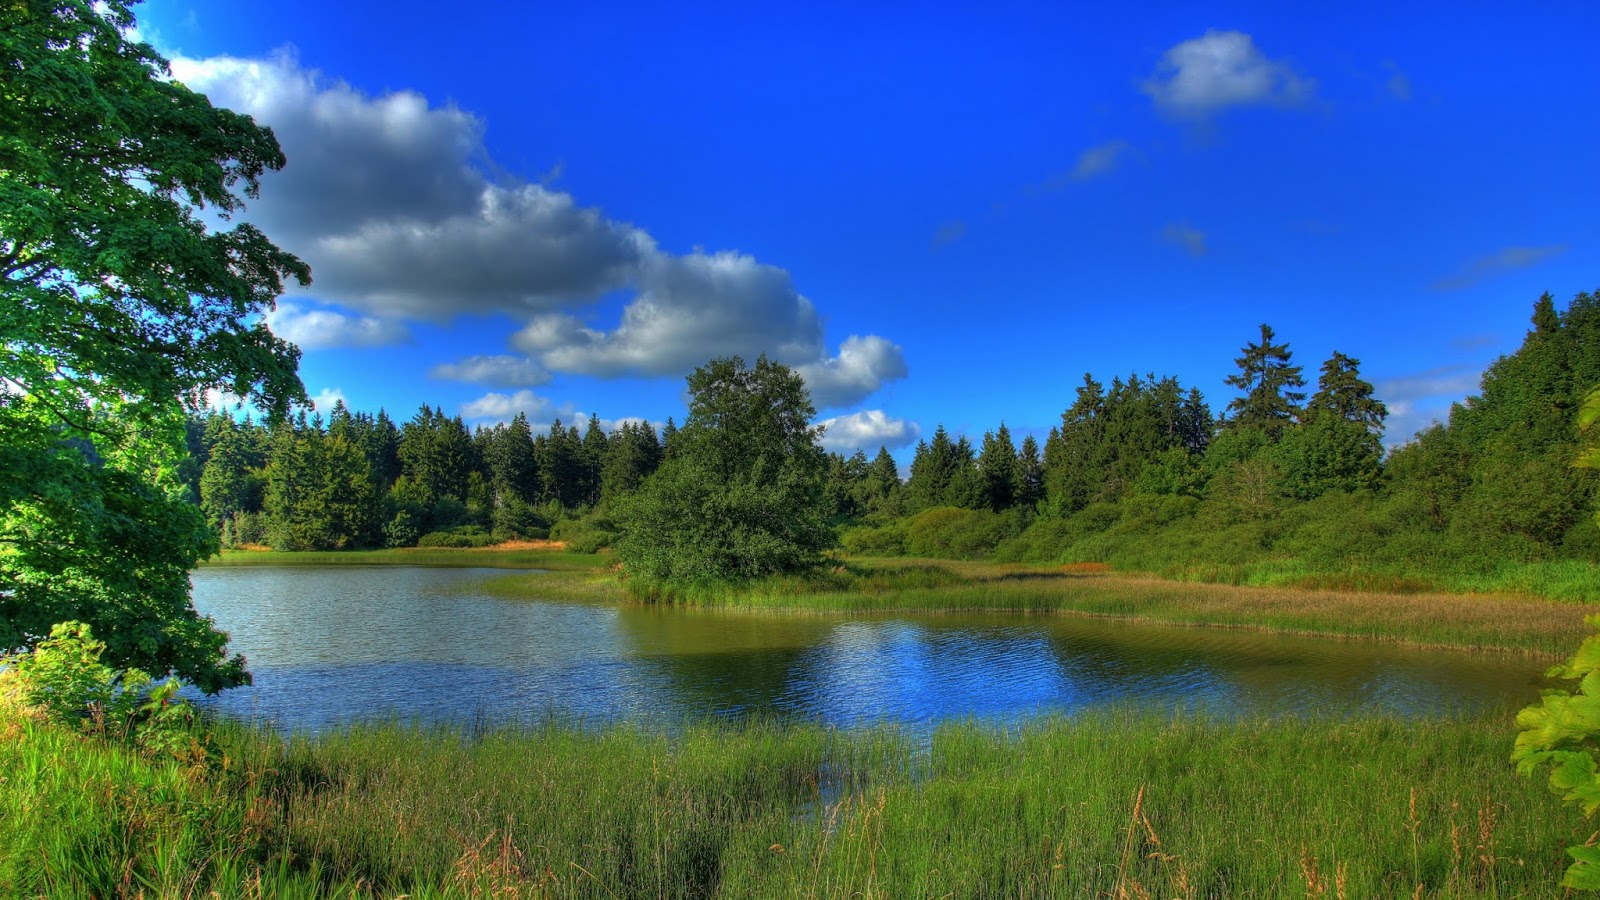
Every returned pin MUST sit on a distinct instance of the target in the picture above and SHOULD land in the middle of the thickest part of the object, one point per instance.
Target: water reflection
(332, 644)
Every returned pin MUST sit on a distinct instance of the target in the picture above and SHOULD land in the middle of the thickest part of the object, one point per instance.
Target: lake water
(333, 644)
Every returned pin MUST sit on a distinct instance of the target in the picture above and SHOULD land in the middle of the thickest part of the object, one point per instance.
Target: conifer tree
(997, 469)
(1269, 382)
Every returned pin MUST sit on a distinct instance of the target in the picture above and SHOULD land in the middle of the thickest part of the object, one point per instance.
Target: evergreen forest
(1288, 480)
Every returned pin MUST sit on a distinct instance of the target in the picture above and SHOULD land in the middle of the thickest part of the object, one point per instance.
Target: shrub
(64, 679)
(463, 537)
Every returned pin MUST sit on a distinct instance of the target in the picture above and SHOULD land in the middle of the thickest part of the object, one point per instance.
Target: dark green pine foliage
(943, 473)
(633, 455)
(883, 490)
(846, 485)
(1516, 439)
(997, 470)
(1108, 438)
(563, 467)
(230, 482)
(1340, 444)
(1269, 383)
(742, 494)
(1072, 452)
(1029, 490)
(320, 493)
(595, 448)
(436, 454)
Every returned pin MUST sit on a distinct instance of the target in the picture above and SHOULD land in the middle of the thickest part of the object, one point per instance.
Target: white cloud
(503, 407)
(324, 400)
(691, 308)
(862, 367)
(1219, 69)
(318, 329)
(1184, 235)
(391, 201)
(1100, 159)
(1506, 260)
(867, 430)
(494, 371)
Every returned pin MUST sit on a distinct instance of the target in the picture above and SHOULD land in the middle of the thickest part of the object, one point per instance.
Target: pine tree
(1030, 475)
(997, 469)
(1268, 380)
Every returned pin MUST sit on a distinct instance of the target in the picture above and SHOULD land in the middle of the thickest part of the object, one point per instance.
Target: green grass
(494, 557)
(1466, 621)
(1104, 805)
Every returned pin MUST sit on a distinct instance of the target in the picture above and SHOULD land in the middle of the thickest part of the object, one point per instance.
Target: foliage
(64, 678)
(461, 537)
(1563, 730)
(1270, 401)
(741, 495)
(118, 305)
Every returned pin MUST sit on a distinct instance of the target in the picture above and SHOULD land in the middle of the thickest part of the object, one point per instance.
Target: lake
(339, 643)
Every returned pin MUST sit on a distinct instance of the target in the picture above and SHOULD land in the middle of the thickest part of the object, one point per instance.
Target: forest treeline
(1140, 473)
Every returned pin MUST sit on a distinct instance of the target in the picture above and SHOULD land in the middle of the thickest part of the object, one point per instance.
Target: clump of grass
(1110, 804)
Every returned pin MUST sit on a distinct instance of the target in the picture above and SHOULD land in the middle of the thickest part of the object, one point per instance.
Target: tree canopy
(119, 307)
(742, 491)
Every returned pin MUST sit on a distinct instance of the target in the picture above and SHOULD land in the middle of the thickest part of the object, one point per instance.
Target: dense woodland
(1140, 473)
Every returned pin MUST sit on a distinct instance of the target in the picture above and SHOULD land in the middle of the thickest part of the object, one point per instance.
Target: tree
(119, 306)
(997, 469)
(1270, 401)
(742, 493)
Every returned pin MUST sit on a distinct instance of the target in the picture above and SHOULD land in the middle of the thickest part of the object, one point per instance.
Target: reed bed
(1463, 621)
(1105, 805)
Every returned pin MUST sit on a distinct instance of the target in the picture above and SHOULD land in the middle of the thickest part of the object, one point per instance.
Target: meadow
(1104, 805)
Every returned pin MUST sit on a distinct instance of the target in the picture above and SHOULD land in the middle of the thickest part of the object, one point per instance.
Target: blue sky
(937, 216)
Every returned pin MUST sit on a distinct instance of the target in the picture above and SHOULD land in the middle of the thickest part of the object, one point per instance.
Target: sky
(938, 215)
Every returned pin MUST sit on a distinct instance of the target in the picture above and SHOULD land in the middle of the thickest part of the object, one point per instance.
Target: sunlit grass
(1108, 804)
(1472, 621)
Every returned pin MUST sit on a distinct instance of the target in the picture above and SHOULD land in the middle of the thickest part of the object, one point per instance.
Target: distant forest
(1141, 473)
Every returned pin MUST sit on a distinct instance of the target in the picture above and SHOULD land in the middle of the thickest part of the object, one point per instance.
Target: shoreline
(1433, 620)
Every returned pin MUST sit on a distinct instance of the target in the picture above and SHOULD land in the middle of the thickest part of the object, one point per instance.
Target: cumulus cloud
(504, 407)
(1418, 400)
(1182, 234)
(867, 430)
(1100, 159)
(690, 308)
(1507, 260)
(1207, 74)
(863, 365)
(390, 200)
(494, 371)
(318, 329)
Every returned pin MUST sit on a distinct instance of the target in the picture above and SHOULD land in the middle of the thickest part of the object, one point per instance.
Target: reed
(1499, 622)
(1110, 804)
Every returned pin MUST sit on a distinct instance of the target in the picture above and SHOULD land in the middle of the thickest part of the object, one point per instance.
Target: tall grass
(1118, 805)
(495, 557)
(1468, 621)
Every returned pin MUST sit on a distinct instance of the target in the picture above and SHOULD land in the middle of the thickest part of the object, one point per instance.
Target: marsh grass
(1464, 621)
(493, 557)
(1110, 805)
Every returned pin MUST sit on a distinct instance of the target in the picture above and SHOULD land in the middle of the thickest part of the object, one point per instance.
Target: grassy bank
(1512, 622)
(500, 557)
(1467, 621)
(1108, 805)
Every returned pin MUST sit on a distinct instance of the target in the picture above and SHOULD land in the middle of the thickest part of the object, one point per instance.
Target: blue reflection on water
(334, 644)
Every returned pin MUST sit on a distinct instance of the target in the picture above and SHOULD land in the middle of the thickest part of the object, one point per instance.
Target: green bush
(63, 678)
(465, 536)
(869, 540)
(588, 534)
